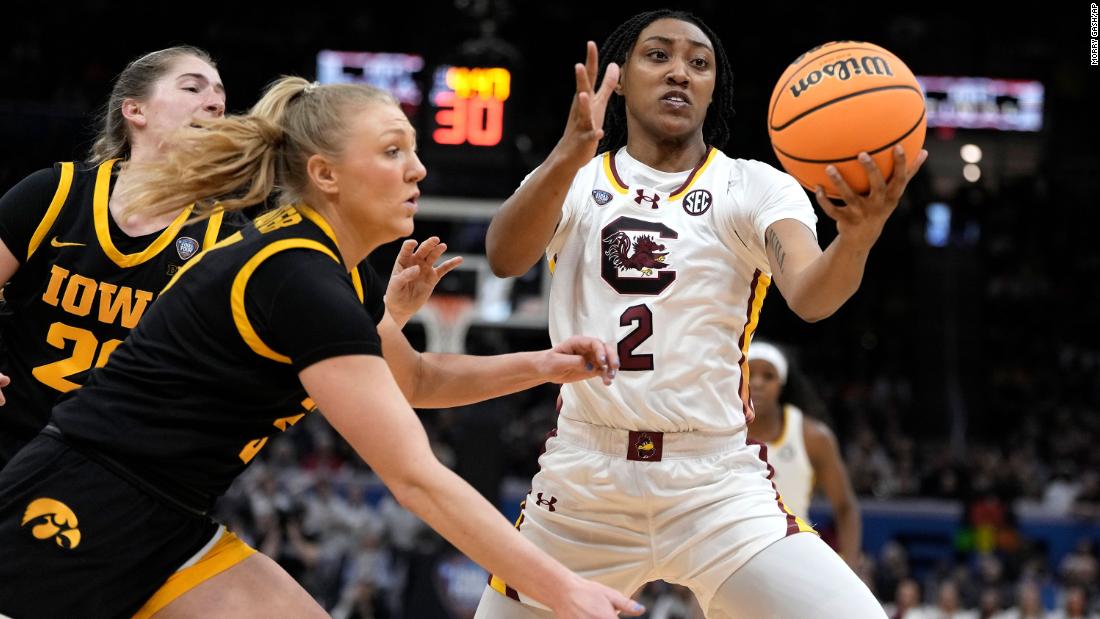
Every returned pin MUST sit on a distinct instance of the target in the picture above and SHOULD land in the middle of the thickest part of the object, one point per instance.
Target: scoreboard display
(462, 115)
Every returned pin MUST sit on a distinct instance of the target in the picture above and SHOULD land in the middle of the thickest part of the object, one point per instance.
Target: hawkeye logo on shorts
(52, 519)
(601, 197)
(186, 247)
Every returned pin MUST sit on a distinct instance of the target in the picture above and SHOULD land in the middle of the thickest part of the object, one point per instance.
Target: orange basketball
(840, 99)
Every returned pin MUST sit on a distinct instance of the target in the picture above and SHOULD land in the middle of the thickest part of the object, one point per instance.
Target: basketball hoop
(447, 318)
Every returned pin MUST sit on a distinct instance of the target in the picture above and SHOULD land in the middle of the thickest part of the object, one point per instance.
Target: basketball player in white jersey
(665, 245)
(803, 451)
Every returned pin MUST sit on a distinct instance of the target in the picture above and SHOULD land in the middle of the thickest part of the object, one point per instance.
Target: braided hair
(617, 48)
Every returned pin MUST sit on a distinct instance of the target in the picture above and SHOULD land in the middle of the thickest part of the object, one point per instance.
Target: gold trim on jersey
(59, 197)
(496, 582)
(227, 552)
(803, 526)
(612, 173)
(240, 282)
(101, 215)
(316, 218)
(695, 174)
(756, 303)
(213, 226)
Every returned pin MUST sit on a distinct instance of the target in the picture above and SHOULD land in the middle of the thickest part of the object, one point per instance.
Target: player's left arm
(816, 283)
(437, 380)
(831, 476)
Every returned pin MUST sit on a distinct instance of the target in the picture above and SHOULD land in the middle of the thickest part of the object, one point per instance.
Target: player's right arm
(21, 211)
(525, 223)
(362, 401)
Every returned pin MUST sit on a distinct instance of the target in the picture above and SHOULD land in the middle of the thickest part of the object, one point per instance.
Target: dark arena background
(962, 381)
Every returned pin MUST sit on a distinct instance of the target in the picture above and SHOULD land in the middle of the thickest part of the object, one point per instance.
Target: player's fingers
(900, 175)
(448, 266)
(874, 175)
(612, 359)
(625, 606)
(584, 85)
(842, 187)
(607, 86)
(922, 156)
(827, 205)
(405, 276)
(436, 252)
(405, 253)
(591, 61)
(584, 112)
(427, 246)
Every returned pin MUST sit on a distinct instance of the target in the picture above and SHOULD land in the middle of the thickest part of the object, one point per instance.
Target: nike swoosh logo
(56, 243)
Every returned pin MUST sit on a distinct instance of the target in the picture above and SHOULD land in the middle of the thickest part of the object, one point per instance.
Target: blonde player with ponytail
(105, 512)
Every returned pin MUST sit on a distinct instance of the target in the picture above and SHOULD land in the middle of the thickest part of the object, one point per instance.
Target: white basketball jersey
(794, 474)
(671, 268)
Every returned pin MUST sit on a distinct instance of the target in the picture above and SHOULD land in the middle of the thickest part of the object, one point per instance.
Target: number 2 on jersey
(85, 344)
(628, 360)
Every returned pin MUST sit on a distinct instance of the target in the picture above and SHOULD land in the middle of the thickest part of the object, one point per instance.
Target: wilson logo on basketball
(697, 202)
(843, 70)
(52, 519)
(601, 197)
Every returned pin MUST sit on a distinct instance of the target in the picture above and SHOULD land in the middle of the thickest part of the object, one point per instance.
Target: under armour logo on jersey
(186, 247)
(642, 197)
(786, 453)
(54, 521)
(549, 504)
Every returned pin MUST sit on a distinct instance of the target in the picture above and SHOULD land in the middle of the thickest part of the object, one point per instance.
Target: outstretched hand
(863, 217)
(580, 358)
(584, 128)
(414, 277)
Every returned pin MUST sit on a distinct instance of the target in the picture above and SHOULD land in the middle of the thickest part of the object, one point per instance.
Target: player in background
(79, 274)
(802, 450)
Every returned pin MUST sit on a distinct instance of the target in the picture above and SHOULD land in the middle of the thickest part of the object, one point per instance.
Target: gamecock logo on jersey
(634, 260)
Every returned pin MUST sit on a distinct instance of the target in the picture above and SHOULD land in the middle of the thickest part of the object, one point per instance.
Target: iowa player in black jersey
(106, 508)
(79, 276)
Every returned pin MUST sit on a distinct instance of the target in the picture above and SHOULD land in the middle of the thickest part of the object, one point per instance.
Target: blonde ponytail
(237, 161)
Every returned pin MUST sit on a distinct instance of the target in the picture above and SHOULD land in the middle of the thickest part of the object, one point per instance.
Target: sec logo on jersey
(698, 202)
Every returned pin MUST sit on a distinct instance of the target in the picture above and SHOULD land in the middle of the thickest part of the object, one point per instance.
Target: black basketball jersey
(81, 286)
(211, 372)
